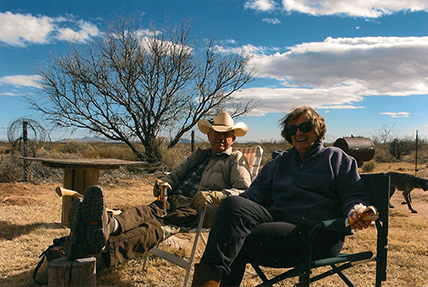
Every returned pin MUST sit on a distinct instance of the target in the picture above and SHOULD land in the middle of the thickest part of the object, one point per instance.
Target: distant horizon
(64, 136)
(89, 139)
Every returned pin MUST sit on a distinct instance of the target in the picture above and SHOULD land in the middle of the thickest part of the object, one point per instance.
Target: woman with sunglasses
(270, 221)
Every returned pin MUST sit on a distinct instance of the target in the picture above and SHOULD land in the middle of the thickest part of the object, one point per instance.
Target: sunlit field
(30, 212)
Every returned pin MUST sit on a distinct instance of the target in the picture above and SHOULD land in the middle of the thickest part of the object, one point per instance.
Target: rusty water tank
(362, 149)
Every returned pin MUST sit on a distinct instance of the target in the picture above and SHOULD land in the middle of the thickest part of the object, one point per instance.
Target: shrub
(399, 147)
(11, 169)
(382, 153)
(369, 166)
(74, 147)
(173, 156)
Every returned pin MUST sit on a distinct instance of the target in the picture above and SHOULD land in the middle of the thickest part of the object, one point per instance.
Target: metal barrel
(362, 149)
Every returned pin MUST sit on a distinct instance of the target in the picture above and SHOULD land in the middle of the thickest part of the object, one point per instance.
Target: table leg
(79, 180)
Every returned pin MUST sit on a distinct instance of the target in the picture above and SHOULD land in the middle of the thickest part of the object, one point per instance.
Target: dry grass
(28, 213)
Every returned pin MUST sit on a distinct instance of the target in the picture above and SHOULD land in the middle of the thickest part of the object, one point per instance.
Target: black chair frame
(378, 187)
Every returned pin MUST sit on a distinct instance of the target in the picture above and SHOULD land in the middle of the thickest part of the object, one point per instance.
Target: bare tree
(136, 86)
(385, 134)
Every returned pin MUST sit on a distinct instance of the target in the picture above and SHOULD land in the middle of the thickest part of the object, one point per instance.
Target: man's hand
(205, 198)
(158, 185)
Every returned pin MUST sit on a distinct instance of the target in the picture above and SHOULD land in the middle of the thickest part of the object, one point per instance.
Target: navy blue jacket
(325, 186)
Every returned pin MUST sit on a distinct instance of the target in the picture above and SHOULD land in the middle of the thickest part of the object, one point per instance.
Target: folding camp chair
(253, 154)
(254, 158)
(378, 187)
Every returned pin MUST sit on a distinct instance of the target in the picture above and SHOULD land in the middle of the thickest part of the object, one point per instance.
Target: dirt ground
(29, 216)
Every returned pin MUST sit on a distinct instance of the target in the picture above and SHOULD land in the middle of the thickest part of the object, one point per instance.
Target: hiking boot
(75, 244)
(96, 219)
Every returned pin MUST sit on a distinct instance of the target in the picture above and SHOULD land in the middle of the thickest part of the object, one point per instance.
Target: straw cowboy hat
(221, 123)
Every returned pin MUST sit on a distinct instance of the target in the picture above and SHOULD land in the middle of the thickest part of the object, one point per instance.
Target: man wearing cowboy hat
(204, 179)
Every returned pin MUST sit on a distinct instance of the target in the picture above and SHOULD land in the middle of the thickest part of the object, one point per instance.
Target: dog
(406, 183)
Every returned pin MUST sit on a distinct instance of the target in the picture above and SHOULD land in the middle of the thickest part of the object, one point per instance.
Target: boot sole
(92, 214)
(72, 242)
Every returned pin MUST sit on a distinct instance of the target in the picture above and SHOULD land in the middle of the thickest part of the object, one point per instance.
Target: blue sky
(362, 64)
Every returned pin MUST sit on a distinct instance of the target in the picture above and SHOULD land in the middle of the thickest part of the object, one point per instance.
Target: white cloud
(21, 80)
(8, 94)
(392, 65)
(227, 42)
(359, 8)
(339, 108)
(260, 5)
(24, 29)
(356, 8)
(280, 99)
(16, 29)
(337, 73)
(397, 115)
(273, 21)
(247, 49)
(86, 30)
(230, 41)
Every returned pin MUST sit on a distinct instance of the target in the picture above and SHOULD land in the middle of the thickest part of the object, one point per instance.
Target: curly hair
(318, 122)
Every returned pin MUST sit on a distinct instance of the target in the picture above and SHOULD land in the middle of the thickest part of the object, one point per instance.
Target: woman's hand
(360, 224)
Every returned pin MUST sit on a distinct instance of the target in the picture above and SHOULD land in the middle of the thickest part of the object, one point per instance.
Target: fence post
(416, 154)
(24, 148)
(192, 141)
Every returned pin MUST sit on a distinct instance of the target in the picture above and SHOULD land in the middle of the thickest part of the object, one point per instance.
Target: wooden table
(80, 174)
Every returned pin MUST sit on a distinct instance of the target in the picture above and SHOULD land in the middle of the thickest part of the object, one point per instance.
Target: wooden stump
(79, 272)
(79, 180)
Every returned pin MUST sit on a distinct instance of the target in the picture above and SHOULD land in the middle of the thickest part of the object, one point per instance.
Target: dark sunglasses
(303, 127)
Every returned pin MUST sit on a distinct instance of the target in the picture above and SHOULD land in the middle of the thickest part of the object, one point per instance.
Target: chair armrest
(336, 225)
